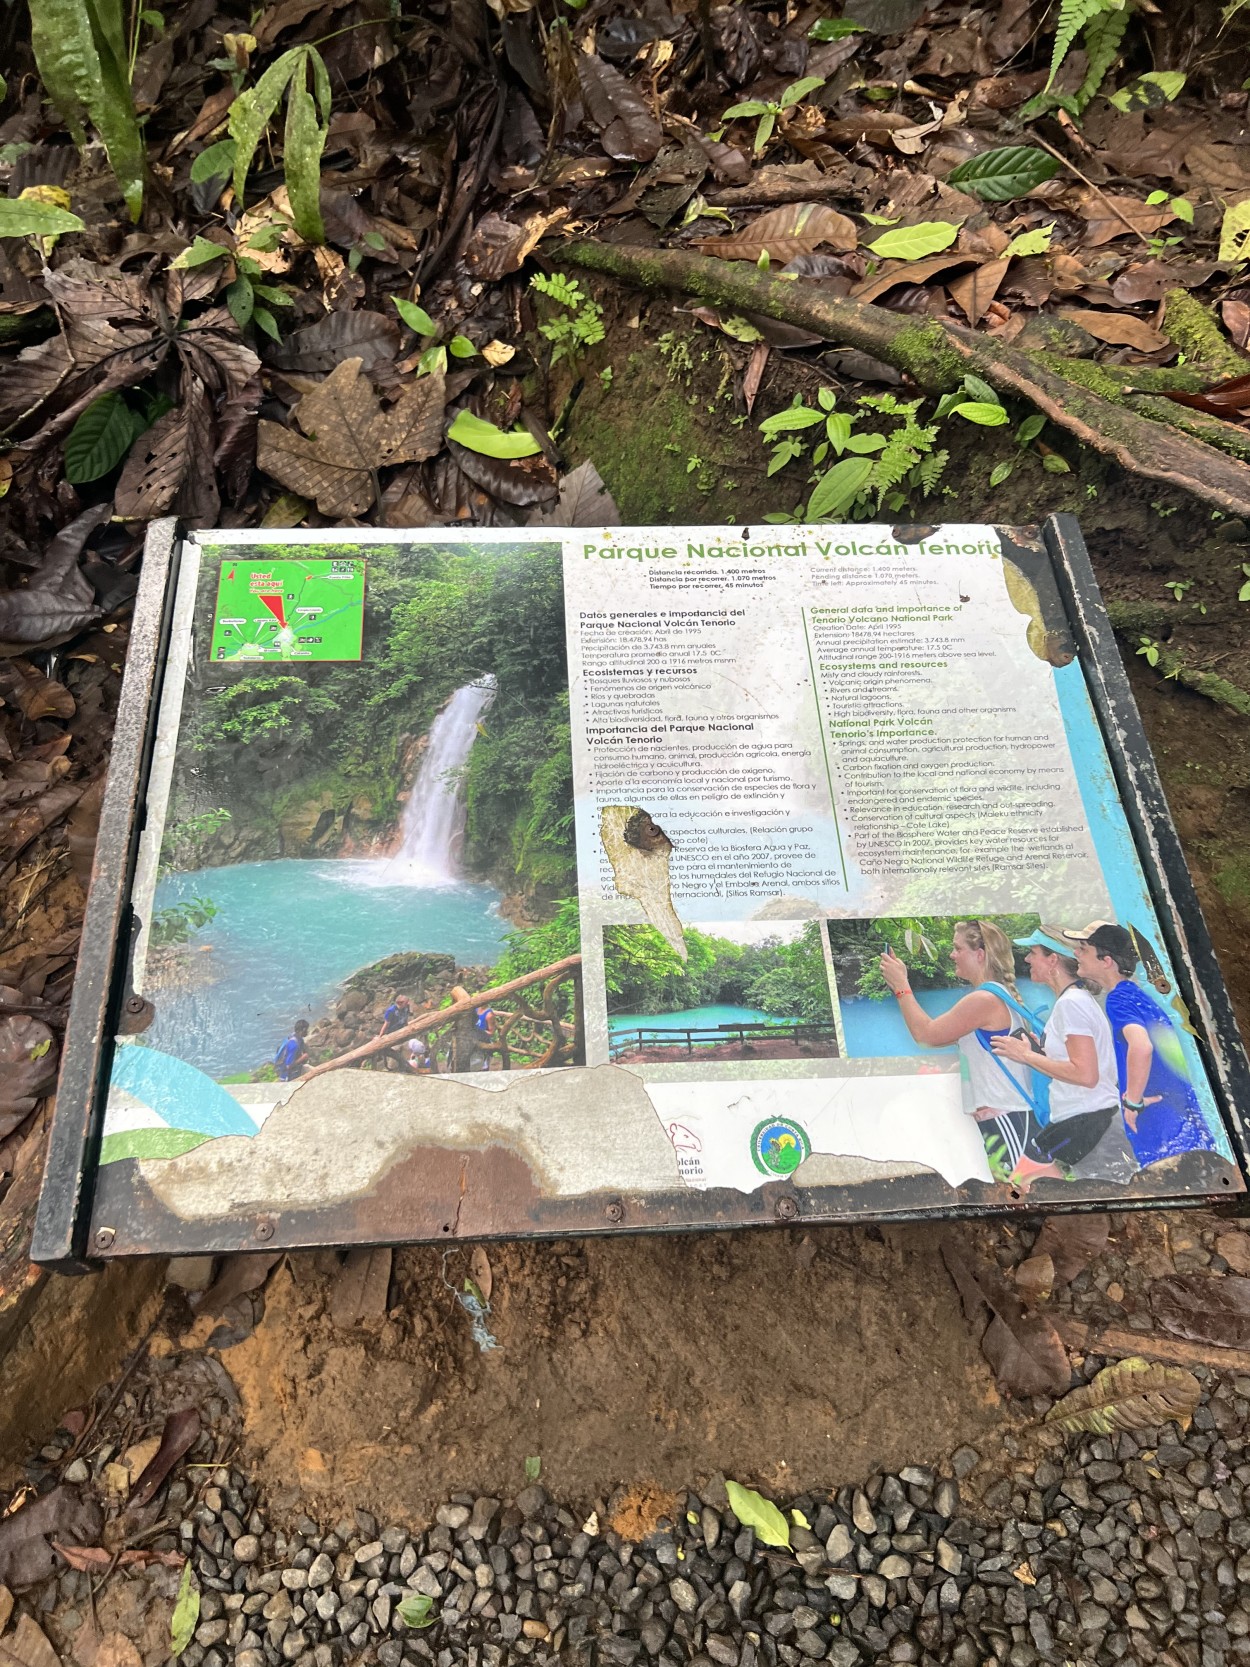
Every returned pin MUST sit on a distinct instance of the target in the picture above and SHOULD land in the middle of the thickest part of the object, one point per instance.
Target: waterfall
(434, 815)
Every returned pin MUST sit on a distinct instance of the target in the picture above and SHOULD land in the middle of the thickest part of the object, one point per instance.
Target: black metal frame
(75, 1189)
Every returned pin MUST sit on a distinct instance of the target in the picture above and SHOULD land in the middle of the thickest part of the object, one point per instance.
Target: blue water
(288, 933)
(875, 1029)
(691, 1018)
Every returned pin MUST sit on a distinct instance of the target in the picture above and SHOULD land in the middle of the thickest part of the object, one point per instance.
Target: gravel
(1105, 1550)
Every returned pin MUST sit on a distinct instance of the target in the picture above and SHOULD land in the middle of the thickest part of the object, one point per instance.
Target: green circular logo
(778, 1146)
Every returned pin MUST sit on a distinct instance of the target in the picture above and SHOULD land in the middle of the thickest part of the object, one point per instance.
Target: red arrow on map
(274, 604)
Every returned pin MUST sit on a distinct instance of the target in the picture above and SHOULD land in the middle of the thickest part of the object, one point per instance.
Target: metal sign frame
(86, 1214)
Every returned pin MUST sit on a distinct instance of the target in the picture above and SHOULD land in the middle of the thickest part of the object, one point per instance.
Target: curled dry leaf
(627, 129)
(1204, 1309)
(1120, 329)
(1134, 1394)
(348, 437)
(497, 246)
(178, 1436)
(784, 233)
(58, 600)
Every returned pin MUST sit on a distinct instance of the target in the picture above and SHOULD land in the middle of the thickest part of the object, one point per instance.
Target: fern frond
(567, 291)
(1103, 35)
(1073, 17)
(929, 470)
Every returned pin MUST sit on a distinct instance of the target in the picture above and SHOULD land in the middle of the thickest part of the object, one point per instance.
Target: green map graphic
(290, 610)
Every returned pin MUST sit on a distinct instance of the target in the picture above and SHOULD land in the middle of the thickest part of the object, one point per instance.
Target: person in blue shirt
(1161, 1110)
(394, 1018)
(292, 1056)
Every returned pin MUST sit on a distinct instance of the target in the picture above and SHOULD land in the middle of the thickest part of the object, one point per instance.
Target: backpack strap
(1014, 1005)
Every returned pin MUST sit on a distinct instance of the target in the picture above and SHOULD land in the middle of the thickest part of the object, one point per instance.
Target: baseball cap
(1044, 940)
(1083, 934)
(1107, 939)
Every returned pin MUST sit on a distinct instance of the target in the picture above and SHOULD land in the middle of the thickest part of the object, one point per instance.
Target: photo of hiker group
(366, 860)
(746, 990)
(1070, 1038)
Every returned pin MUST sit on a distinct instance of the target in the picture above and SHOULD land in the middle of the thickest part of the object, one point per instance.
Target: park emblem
(779, 1145)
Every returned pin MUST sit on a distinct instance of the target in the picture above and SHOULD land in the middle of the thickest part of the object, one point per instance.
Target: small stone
(77, 1471)
(842, 1653)
(862, 1513)
(894, 1567)
(739, 1600)
(948, 1559)
(454, 1517)
(839, 1544)
(211, 1632)
(295, 1580)
(373, 1549)
(946, 1497)
(654, 1635)
(709, 1523)
(294, 1644)
(246, 1548)
(390, 1652)
(485, 1511)
(684, 1596)
(327, 1606)
(964, 1461)
(530, 1501)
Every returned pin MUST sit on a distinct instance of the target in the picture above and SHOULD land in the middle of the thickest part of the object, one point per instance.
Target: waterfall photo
(352, 847)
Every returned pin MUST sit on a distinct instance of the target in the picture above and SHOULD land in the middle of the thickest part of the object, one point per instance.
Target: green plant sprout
(579, 326)
(434, 355)
(1149, 650)
(769, 111)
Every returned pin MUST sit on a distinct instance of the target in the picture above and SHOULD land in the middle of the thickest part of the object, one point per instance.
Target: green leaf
(533, 1468)
(1157, 87)
(862, 444)
(797, 91)
(213, 162)
(752, 107)
(837, 490)
(754, 1511)
(979, 389)
(1054, 464)
(1035, 242)
(981, 412)
(266, 238)
(764, 133)
(241, 300)
(1133, 1394)
(417, 1610)
(275, 297)
(301, 156)
(81, 52)
(881, 219)
(784, 452)
(251, 112)
(99, 439)
(1235, 231)
(799, 1520)
(739, 330)
(27, 217)
(996, 176)
(794, 416)
(1029, 429)
(826, 398)
(264, 320)
(838, 428)
(1000, 472)
(460, 347)
(930, 237)
(1183, 209)
(186, 1613)
(198, 253)
(480, 436)
(416, 318)
(833, 29)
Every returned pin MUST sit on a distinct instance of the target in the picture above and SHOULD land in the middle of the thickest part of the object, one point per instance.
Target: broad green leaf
(241, 300)
(1035, 242)
(251, 112)
(1183, 209)
(416, 318)
(81, 53)
(533, 1468)
(833, 28)
(754, 1511)
(481, 436)
(981, 412)
(432, 360)
(264, 320)
(785, 452)
(186, 1613)
(1054, 464)
(199, 253)
(1235, 231)
(1134, 1394)
(980, 390)
(739, 330)
(752, 107)
(996, 176)
(838, 428)
(1029, 429)
(930, 237)
(301, 157)
(794, 416)
(275, 297)
(213, 162)
(837, 490)
(764, 133)
(862, 444)
(266, 238)
(27, 217)
(1156, 87)
(826, 398)
(460, 347)
(797, 91)
(417, 1610)
(99, 439)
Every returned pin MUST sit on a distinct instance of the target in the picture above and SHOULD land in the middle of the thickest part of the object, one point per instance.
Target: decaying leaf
(27, 1646)
(627, 129)
(239, 1275)
(25, 1552)
(754, 1511)
(178, 1437)
(584, 502)
(348, 437)
(1072, 1242)
(58, 600)
(1035, 1279)
(1133, 1394)
(783, 233)
(360, 1290)
(1204, 1309)
(1109, 215)
(1024, 1349)
(480, 1271)
(1120, 329)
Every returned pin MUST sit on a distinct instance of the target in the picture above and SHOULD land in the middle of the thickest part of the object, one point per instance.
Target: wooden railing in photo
(520, 1036)
(639, 1038)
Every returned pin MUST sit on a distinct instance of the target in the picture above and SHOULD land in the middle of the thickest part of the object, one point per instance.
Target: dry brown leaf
(1108, 216)
(1236, 316)
(1024, 1349)
(1222, 167)
(753, 374)
(796, 229)
(116, 1650)
(909, 272)
(360, 1289)
(1072, 1242)
(1035, 1279)
(497, 246)
(973, 291)
(6, 1606)
(1150, 280)
(1134, 1394)
(1204, 1309)
(480, 1271)
(27, 1646)
(348, 437)
(1120, 329)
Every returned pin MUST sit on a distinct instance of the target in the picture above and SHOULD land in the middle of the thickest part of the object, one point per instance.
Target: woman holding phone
(1001, 1093)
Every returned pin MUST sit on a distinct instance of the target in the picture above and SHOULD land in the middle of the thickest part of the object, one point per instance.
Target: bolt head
(104, 1238)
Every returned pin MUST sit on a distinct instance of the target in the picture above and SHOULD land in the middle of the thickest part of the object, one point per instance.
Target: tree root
(937, 355)
(1189, 325)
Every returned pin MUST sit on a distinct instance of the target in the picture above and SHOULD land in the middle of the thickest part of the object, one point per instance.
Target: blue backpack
(1036, 1089)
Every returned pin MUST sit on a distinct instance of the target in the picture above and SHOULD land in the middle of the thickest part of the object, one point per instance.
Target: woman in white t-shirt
(1085, 1137)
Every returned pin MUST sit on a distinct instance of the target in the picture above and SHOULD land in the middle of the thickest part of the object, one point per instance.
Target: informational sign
(555, 882)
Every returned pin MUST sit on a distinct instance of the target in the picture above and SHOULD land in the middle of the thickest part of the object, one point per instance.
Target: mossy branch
(1189, 325)
(936, 355)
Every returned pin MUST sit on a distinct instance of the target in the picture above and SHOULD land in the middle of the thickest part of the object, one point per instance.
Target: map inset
(290, 610)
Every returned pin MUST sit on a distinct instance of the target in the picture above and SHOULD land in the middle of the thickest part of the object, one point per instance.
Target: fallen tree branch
(483, 998)
(937, 355)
